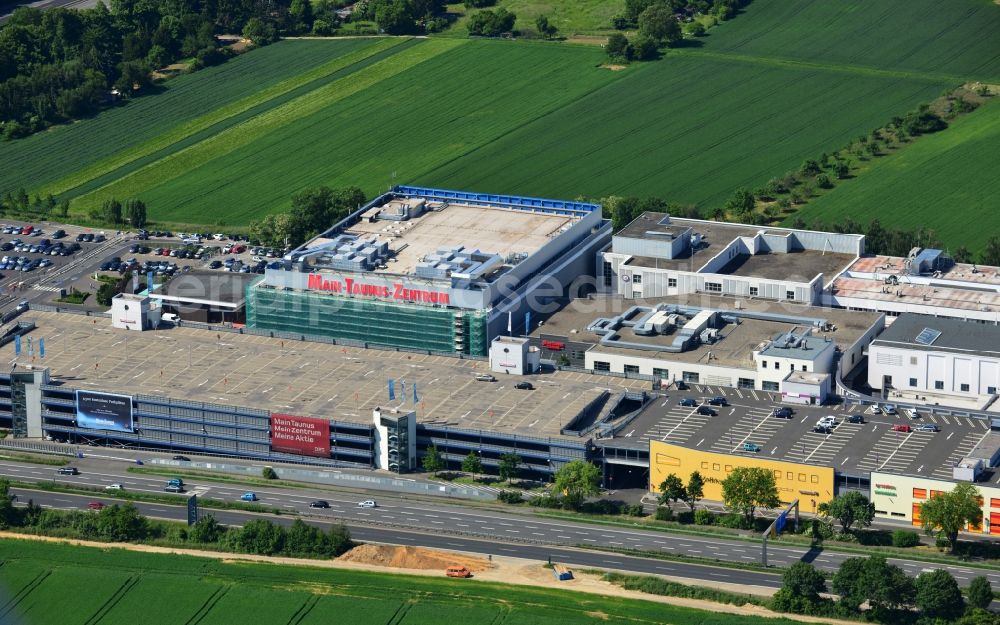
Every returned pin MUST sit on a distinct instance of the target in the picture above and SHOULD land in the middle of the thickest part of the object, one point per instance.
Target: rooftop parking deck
(305, 378)
(850, 448)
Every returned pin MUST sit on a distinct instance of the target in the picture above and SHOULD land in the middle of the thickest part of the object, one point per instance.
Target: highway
(446, 525)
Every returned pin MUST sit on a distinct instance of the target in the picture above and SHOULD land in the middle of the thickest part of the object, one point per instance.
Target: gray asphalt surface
(442, 524)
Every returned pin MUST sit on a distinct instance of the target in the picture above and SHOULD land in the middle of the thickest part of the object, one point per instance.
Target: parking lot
(317, 379)
(747, 423)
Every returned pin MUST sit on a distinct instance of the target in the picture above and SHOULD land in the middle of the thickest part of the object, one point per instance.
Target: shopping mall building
(432, 269)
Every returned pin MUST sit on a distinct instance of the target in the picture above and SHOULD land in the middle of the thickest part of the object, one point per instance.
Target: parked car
(524, 386)
(249, 496)
(828, 421)
(782, 413)
(890, 410)
(718, 401)
(367, 503)
(928, 427)
(485, 377)
(58, 234)
(874, 410)
(707, 411)
(856, 418)
(822, 429)
(911, 413)
(319, 503)
(902, 427)
(751, 447)
(68, 471)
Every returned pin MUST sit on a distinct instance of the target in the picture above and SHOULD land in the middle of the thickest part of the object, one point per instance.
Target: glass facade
(391, 324)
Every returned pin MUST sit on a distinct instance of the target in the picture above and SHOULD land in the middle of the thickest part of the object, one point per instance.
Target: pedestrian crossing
(51, 289)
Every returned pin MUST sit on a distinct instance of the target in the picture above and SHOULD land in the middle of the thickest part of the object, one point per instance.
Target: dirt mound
(411, 558)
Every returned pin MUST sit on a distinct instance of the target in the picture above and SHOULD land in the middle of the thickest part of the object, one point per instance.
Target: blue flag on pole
(17, 345)
(41, 347)
(392, 390)
(415, 398)
(149, 280)
(779, 523)
(527, 323)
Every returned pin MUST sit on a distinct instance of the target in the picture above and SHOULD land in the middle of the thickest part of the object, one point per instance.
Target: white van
(170, 317)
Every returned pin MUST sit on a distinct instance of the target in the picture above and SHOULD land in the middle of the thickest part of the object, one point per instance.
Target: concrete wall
(929, 366)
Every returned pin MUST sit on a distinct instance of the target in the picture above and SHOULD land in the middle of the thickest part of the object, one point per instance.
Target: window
(804, 368)
(769, 386)
(965, 388)
(938, 385)
(789, 294)
(660, 373)
(637, 278)
(887, 380)
(754, 291)
(814, 479)
(994, 503)
(690, 376)
(777, 365)
(631, 368)
(600, 365)
(671, 283)
(744, 383)
(913, 360)
(802, 477)
(935, 493)
(729, 468)
(991, 390)
(713, 287)
(920, 493)
(913, 382)
(716, 467)
(607, 273)
(763, 364)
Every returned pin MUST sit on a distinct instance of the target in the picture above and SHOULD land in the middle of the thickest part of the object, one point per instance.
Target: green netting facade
(392, 324)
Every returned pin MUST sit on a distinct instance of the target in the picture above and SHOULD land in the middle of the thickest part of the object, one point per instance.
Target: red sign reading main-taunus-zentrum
(397, 291)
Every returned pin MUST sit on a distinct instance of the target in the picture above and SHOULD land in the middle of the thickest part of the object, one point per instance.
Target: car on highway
(485, 377)
(68, 471)
(319, 503)
(856, 418)
(902, 427)
(173, 488)
(688, 401)
(707, 411)
(928, 427)
(524, 386)
(96, 505)
(782, 413)
(249, 496)
(181, 458)
(367, 503)
(115, 486)
(718, 401)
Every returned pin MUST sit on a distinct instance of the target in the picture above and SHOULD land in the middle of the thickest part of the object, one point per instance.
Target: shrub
(545, 501)
(905, 538)
(697, 29)
(269, 474)
(703, 517)
(823, 181)
(492, 23)
(510, 496)
(634, 509)
(664, 513)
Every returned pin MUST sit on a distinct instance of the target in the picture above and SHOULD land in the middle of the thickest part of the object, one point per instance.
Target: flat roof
(963, 287)
(851, 448)
(805, 263)
(306, 378)
(941, 334)
(224, 289)
(650, 225)
(738, 342)
(491, 230)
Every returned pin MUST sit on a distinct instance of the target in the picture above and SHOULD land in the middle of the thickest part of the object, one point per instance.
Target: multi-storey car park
(431, 281)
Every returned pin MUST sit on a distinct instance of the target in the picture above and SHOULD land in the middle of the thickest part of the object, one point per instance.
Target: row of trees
(313, 210)
(403, 17)
(132, 213)
(21, 202)
(623, 210)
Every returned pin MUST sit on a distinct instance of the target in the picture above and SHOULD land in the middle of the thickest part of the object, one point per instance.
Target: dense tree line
(313, 211)
(403, 17)
(658, 24)
(63, 64)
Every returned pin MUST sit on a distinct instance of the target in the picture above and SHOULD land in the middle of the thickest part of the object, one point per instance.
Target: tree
(8, 513)
(618, 47)
(260, 32)
(991, 255)
(508, 466)
(646, 48)
(120, 523)
(206, 530)
(492, 22)
(577, 480)
(657, 22)
(135, 213)
(842, 170)
(472, 464)
(695, 489)
(433, 460)
(980, 592)
(301, 14)
(545, 28)
(105, 293)
(672, 490)
(271, 230)
(741, 202)
(938, 595)
(747, 488)
(962, 255)
(316, 209)
(260, 536)
(697, 29)
(112, 211)
(884, 586)
(948, 513)
(850, 508)
(395, 17)
(800, 589)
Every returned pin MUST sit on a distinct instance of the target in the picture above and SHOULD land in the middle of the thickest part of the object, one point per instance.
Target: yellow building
(810, 484)
(899, 497)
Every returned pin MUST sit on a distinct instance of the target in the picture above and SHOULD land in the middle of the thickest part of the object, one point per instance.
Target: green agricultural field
(118, 587)
(118, 134)
(946, 182)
